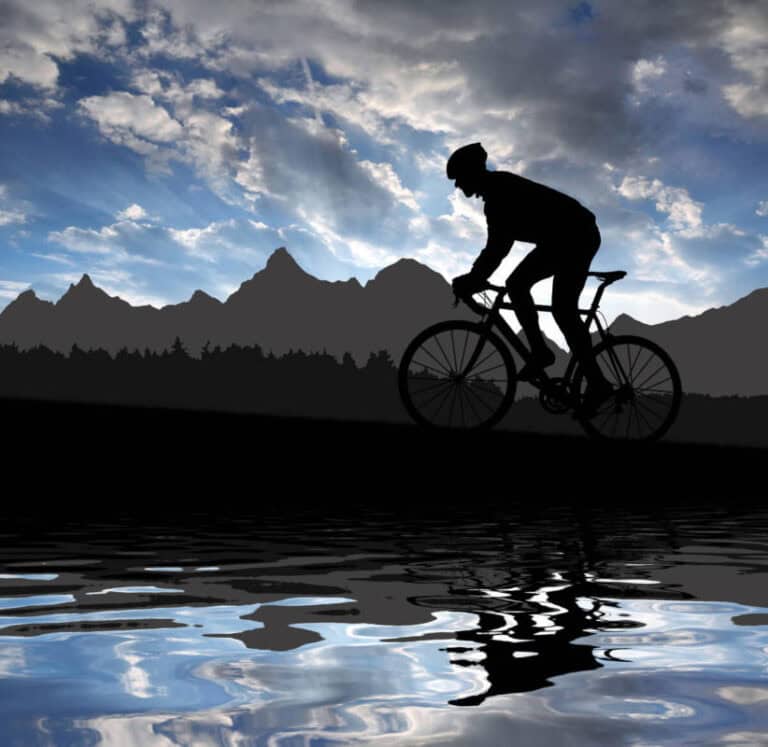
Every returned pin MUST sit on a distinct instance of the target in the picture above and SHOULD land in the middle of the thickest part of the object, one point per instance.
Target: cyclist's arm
(500, 240)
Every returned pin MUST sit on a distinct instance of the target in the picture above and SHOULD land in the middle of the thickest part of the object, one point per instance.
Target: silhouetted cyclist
(566, 238)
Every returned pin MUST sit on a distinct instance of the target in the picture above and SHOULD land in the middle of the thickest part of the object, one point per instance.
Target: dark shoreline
(129, 459)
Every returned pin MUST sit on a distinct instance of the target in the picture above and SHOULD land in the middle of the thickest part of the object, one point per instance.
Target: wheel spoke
(431, 368)
(434, 385)
(477, 414)
(464, 351)
(442, 370)
(445, 355)
(425, 404)
(443, 401)
(476, 374)
(648, 378)
(480, 362)
(650, 410)
(640, 414)
(651, 356)
(655, 384)
(477, 396)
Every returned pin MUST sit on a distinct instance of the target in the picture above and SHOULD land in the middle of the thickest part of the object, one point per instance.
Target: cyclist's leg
(567, 285)
(535, 266)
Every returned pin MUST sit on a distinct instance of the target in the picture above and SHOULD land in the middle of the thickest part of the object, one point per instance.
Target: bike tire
(432, 393)
(646, 403)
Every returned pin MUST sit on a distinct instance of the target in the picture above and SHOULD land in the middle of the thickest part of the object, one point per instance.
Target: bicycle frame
(493, 319)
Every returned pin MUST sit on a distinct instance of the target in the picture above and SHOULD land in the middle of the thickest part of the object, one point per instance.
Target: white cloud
(684, 213)
(38, 108)
(122, 112)
(86, 240)
(466, 219)
(58, 258)
(445, 260)
(743, 38)
(760, 255)
(34, 35)
(10, 214)
(644, 72)
(133, 212)
(11, 288)
(7, 217)
(124, 242)
(258, 225)
(344, 247)
(762, 209)
(385, 175)
(747, 100)
(216, 241)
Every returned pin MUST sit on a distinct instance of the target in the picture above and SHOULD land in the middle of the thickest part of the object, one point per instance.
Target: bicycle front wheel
(456, 374)
(647, 388)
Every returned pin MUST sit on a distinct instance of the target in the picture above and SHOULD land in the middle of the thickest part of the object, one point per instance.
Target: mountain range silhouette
(284, 308)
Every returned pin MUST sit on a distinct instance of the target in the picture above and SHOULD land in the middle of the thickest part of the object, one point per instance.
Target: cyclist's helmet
(468, 158)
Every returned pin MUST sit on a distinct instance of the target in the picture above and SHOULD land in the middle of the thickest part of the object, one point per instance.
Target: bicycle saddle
(609, 277)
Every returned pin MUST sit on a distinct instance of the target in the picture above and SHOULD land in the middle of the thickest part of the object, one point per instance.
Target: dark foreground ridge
(69, 458)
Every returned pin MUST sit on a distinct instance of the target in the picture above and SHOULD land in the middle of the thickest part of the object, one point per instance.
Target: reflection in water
(569, 628)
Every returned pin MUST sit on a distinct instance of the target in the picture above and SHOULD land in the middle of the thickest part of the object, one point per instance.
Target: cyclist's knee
(519, 294)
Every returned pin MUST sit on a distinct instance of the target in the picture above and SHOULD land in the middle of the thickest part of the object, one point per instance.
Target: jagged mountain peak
(201, 297)
(282, 261)
(84, 288)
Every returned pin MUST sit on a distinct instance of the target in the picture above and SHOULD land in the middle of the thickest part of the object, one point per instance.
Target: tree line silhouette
(235, 378)
(245, 379)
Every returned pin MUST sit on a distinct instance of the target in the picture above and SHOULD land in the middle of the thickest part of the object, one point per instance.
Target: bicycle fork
(476, 353)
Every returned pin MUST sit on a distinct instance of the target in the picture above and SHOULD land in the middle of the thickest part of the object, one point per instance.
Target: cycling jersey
(520, 209)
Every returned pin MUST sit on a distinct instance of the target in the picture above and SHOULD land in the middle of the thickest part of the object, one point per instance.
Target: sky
(163, 146)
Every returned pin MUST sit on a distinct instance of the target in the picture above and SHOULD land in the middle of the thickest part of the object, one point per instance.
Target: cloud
(385, 175)
(760, 255)
(7, 217)
(684, 213)
(38, 108)
(762, 209)
(10, 213)
(466, 221)
(123, 242)
(219, 240)
(134, 121)
(644, 72)
(310, 170)
(11, 288)
(33, 36)
(132, 212)
(743, 38)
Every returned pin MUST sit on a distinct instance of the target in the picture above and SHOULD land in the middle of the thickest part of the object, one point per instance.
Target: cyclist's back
(533, 212)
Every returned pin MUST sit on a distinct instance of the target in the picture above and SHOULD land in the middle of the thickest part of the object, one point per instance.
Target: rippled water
(577, 627)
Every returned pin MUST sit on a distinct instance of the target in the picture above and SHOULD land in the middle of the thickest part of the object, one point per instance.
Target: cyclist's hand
(466, 285)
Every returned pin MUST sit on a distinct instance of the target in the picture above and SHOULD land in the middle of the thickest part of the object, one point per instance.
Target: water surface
(567, 626)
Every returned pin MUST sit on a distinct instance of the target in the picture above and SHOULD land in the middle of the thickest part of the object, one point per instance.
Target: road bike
(462, 374)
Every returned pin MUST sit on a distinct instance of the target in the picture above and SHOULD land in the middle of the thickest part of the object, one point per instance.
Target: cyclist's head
(467, 166)
(466, 161)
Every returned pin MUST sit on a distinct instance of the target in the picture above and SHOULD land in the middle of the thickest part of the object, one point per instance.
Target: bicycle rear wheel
(447, 380)
(647, 388)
